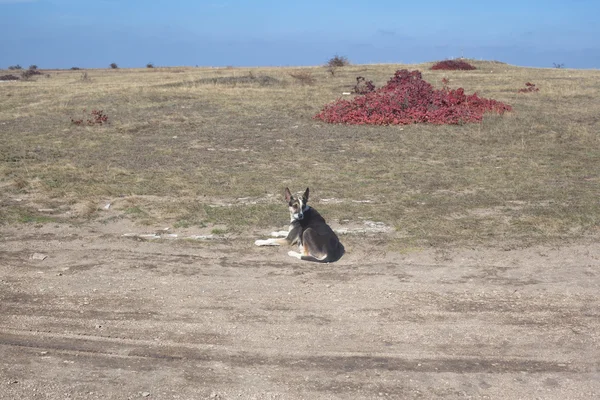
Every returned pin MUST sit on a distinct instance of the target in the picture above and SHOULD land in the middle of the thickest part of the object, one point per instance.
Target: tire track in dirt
(103, 346)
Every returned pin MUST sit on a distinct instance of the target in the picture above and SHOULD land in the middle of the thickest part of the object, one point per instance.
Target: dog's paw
(295, 254)
(261, 242)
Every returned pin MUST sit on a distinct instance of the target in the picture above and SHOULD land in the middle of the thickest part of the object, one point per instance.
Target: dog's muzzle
(299, 216)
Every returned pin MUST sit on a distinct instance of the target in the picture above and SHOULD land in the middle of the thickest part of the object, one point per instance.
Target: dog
(316, 240)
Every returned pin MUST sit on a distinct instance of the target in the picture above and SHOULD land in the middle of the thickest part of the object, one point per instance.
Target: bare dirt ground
(108, 316)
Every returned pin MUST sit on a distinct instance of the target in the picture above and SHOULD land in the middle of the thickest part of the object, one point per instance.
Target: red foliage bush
(452, 65)
(529, 87)
(408, 99)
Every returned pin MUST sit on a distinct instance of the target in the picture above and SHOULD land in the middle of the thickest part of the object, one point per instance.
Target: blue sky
(93, 34)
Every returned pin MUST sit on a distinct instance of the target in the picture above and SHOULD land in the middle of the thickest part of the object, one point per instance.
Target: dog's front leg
(271, 242)
(280, 234)
(289, 237)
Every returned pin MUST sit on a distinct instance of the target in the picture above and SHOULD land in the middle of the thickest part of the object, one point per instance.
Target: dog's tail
(309, 257)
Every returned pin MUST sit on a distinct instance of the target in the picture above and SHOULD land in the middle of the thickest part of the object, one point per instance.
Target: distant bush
(28, 74)
(408, 99)
(15, 67)
(363, 86)
(150, 65)
(9, 78)
(452, 65)
(114, 66)
(338, 61)
(555, 65)
(75, 68)
(33, 67)
(529, 87)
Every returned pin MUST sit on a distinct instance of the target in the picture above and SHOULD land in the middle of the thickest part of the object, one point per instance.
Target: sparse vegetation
(558, 65)
(218, 231)
(75, 68)
(15, 67)
(33, 67)
(114, 66)
(232, 81)
(150, 65)
(304, 77)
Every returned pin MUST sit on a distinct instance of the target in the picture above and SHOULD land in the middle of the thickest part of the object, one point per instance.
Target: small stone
(145, 394)
(39, 256)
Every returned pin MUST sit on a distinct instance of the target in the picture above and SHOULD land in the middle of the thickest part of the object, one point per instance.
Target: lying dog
(308, 229)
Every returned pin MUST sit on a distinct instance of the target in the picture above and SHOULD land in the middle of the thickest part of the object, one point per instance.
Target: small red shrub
(408, 99)
(453, 65)
(97, 117)
(529, 87)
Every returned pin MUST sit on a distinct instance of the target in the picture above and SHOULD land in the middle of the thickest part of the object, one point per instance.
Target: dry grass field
(472, 265)
(181, 140)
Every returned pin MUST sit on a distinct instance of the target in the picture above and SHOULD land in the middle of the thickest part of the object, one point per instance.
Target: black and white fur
(308, 229)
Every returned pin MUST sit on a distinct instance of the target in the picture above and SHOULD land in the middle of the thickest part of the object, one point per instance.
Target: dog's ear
(288, 195)
(305, 196)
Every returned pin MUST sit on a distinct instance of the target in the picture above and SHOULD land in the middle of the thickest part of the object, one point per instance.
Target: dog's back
(318, 239)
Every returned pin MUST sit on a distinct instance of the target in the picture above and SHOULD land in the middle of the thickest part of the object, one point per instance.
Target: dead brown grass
(304, 77)
(187, 143)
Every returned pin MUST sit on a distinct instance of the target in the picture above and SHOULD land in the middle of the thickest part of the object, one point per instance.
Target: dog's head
(297, 204)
